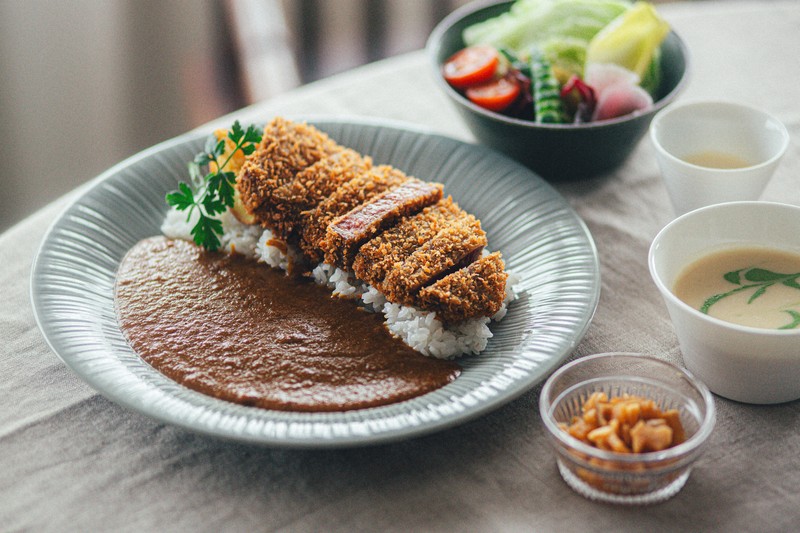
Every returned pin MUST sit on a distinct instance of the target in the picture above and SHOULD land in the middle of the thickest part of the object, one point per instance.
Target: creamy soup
(716, 159)
(758, 287)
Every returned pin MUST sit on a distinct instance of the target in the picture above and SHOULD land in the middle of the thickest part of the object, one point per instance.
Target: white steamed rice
(236, 237)
(419, 329)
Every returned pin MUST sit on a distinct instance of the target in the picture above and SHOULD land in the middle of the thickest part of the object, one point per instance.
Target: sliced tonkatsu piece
(389, 249)
(455, 246)
(474, 291)
(310, 187)
(347, 196)
(347, 233)
(285, 149)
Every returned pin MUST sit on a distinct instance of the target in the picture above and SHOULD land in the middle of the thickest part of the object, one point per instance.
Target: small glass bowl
(633, 478)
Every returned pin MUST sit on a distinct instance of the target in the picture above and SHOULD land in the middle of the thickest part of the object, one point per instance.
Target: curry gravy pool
(228, 327)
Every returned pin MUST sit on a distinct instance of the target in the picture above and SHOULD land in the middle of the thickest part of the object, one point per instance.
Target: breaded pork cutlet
(473, 291)
(347, 233)
(310, 187)
(285, 149)
(453, 247)
(389, 249)
(347, 196)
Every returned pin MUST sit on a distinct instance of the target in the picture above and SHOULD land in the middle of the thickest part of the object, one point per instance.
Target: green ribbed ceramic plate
(541, 237)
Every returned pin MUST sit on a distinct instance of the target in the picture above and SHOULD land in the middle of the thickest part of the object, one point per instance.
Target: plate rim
(519, 388)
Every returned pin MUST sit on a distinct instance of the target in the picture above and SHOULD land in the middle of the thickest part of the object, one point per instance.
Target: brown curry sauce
(237, 330)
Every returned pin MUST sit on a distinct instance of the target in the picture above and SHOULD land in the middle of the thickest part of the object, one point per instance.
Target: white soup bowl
(747, 364)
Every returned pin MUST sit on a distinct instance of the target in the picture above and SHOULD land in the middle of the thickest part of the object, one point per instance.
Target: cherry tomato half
(470, 66)
(495, 95)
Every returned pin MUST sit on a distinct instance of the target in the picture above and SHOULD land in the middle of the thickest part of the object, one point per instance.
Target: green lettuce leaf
(631, 40)
(533, 22)
(567, 55)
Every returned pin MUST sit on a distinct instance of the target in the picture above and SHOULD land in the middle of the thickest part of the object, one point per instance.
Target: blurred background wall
(87, 83)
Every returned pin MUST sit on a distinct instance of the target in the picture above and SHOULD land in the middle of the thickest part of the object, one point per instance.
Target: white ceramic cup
(746, 364)
(682, 131)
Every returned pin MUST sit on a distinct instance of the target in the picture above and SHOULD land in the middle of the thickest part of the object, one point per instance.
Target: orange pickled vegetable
(626, 424)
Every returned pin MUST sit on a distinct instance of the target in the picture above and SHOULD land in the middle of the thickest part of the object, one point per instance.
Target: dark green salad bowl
(554, 151)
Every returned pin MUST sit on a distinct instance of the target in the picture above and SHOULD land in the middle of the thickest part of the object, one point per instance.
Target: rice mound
(419, 329)
(236, 238)
(178, 225)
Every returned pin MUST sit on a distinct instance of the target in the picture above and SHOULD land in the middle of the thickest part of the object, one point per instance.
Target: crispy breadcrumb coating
(454, 246)
(350, 194)
(286, 148)
(473, 291)
(381, 254)
(393, 231)
(309, 188)
(347, 233)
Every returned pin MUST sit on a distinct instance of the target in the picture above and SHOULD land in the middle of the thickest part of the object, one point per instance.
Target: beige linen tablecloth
(72, 460)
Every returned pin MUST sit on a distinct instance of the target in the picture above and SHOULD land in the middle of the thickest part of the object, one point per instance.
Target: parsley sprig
(759, 279)
(211, 194)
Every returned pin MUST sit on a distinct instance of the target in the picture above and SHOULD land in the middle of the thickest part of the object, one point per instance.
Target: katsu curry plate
(315, 283)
